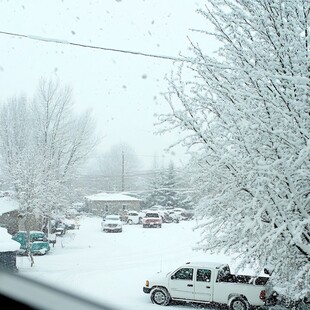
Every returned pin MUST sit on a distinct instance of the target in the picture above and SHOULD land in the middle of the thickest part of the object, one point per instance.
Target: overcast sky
(123, 90)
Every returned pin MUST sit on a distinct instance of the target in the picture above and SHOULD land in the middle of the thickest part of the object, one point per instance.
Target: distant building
(111, 203)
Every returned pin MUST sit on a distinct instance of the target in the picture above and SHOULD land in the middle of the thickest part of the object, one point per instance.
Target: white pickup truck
(204, 282)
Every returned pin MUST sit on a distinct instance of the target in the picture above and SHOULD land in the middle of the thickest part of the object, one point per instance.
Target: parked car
(134, 217)
(152, 219)
(58, 227)
(112, 223)
(187, 215)
(181, 214)
(204, 282)
(176, 217)
(38, 242)
(166, 218)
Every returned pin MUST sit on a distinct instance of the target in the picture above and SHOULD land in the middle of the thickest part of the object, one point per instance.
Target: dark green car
(39, 244)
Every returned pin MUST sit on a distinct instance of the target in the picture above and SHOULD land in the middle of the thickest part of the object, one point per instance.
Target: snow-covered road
(111, 268)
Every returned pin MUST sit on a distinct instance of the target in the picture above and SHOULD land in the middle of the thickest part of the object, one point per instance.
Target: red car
(152, 219)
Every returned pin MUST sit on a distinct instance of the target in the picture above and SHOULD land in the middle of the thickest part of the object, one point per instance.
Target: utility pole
(123, 171)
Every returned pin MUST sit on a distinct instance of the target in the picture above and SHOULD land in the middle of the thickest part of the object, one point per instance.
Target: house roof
(111, 197)
(8, 204)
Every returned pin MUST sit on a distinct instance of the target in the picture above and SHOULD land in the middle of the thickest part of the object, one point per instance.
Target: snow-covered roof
(111, 197)
(8, 204)
(6, 242)
(205, 264)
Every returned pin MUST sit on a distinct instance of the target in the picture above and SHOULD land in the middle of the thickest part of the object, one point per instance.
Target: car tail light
(262, 295)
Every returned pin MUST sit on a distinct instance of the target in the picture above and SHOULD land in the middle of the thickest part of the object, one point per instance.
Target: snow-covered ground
(111, 268)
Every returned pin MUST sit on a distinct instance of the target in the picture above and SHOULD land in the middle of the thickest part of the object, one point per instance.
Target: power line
(65, 42)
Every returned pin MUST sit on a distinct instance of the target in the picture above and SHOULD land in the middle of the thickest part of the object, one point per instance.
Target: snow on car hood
(112, 222)
(159, 278)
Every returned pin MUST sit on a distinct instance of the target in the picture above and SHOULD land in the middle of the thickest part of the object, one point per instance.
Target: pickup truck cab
(204, 282)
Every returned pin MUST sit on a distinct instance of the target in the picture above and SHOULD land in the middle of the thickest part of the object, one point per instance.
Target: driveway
(112, 268)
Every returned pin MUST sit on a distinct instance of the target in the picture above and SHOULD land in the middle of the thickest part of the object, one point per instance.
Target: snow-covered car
(134, 217)
(70, 223)
(180, 214)
(175, 217)
(38, 242)
(112, 223)
(152, 219)
(165, 216)
(60, 226)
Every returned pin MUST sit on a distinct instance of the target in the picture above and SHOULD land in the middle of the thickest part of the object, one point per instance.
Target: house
(111, 203)
(9, 209)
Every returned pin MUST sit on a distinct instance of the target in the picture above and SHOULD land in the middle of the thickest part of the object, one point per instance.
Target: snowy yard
(111, 268)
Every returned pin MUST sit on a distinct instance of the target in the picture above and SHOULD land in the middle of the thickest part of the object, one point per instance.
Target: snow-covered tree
(246, 113)
(151, 195)
(169, 185)
(188, 194)
(42, 145)
(118, 167)
(166, 188)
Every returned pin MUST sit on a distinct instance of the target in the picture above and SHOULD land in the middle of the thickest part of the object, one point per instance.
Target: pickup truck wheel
(238, 303)
(160, 296)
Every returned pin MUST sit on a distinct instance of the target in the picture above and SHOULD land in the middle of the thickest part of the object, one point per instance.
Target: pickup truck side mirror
(173, 277)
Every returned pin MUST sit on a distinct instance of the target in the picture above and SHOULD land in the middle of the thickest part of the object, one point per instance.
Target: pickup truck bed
(245, 279)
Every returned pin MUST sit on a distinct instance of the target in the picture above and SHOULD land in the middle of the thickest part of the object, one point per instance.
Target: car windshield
(139, 135)
(152, 215)
(112, 218)
(36, 237)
